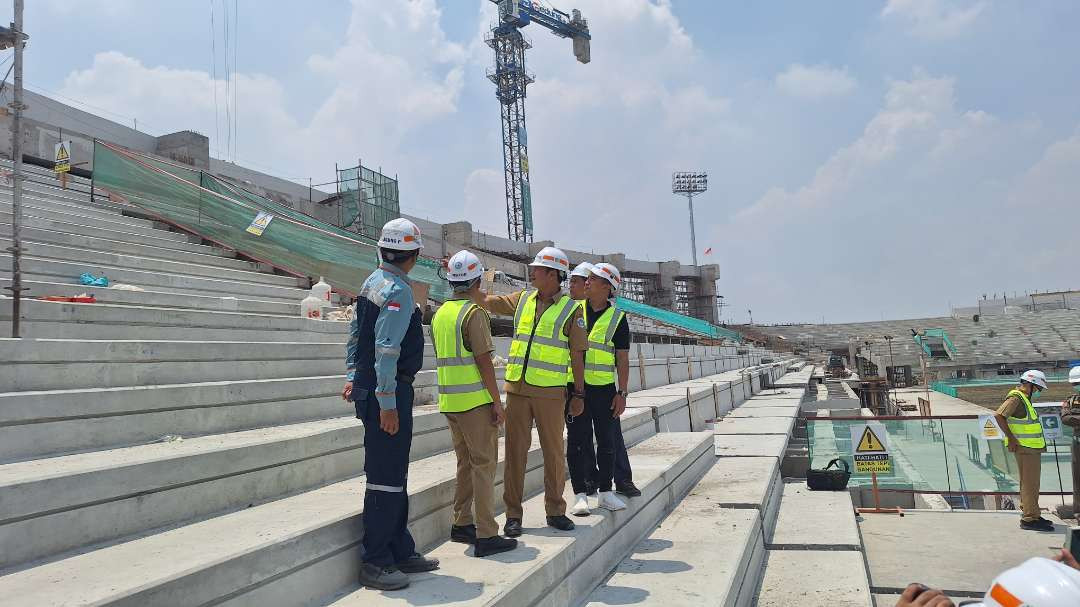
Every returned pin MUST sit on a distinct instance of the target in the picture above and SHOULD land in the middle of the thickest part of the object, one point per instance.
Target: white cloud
(935, 19)
(484, 192)
(815, 82)
(1052, 184)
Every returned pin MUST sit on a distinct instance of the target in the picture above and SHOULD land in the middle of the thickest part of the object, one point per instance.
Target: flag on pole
(708, 251)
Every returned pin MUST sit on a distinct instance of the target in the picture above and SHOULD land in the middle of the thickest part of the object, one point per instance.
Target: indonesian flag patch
(393, 306)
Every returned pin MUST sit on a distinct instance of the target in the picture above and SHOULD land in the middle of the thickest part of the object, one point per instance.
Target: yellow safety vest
(461, 387)
(539, 350)
(1028, 430)
(600, 357)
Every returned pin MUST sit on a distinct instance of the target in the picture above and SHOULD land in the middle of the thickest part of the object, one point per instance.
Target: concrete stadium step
(258, 286)
(112, 222)
(551, 567)
(248, 273)
(700, 554)
(43, 229)
(47, 364)
(62, 320)
(45, 423)
(58, 504)
(283, 552)
(33, 200)
(154, 298)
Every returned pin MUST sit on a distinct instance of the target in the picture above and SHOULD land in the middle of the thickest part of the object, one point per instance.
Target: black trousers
(386, 464)
(596, 421)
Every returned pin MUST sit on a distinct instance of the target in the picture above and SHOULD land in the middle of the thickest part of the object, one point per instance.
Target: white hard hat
(1036, 377)
(583, 269)
(463, 266)
(1074, 375)
(550, 257)
(1037, 582)
(609, 273)
(400, 235)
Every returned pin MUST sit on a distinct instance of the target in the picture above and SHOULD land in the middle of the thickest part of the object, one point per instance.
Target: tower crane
(511, 78)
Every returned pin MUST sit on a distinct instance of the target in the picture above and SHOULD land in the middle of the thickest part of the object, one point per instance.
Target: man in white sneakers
(607, 359)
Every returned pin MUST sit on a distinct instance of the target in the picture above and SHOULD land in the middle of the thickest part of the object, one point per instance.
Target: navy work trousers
(386, 463)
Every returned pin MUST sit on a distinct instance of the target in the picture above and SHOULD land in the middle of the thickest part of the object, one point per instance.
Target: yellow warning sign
(869, 443)
(63, 157)
(990, 430)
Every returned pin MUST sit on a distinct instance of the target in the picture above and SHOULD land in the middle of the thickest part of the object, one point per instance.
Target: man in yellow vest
(1024, 438)
(609, 351)
(624, 476)
(549, 335)
(469, 397)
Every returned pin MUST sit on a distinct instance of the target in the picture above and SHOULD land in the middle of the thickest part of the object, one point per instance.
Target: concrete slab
(700, 554)
(809, 578)
(734, 445)
(948, 550)
(759, 425)
(791, 412)
(815, 520)
(751, 483)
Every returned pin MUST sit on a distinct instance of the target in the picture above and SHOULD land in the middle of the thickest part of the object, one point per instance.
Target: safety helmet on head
(1034, 376)
(400, 235)
(1074, 375)
(463, 266)
(550, 257)
(609, 273)
(583, 269)
(1038, 582)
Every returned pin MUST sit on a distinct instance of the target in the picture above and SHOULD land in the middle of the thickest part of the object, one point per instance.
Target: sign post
(870, 452)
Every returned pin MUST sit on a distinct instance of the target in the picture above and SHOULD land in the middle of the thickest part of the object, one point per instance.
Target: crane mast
(511, 79)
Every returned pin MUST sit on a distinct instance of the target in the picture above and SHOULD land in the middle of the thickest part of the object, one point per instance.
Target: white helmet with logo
(550, 257)
(463, 266)
(1036, 377)
(1074, 375)
(400, 235)
(583, 269)
(609, 273)
(1037, 582)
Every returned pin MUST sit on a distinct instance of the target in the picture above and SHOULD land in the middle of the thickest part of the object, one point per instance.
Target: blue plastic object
(90, 280)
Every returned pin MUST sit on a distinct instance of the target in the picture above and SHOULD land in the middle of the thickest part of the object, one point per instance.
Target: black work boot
(417, 563)
(629, 489)
(463, 534)
(487, 546)
(512, 528)
(560, 522)
(382, 578)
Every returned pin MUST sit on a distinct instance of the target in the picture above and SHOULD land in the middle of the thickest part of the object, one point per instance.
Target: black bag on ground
(828, 479)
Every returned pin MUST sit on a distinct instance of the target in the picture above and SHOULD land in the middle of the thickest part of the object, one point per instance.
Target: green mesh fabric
(693, 325)
(216, 211)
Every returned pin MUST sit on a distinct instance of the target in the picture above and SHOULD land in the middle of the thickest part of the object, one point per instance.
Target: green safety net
(222, 213)
(693, 325)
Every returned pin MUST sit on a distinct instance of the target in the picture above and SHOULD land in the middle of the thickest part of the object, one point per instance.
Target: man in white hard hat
(624, 478)
(549, 336)
(607, 362)
(384, 353)
(1070, 416)
(1024, 438)
(469, 397)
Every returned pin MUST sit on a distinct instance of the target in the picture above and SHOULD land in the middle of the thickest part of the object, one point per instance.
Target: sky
(866, 159)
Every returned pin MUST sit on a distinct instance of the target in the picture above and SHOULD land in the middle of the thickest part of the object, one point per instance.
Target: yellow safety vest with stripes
(461, 387)
(600, 357)
(1027, 430)
(540, 352)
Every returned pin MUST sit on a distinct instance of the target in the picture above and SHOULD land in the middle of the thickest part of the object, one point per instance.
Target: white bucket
(312, 307)
(321, 290)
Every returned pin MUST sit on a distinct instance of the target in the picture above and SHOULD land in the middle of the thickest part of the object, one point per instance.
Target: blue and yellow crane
(511, 78)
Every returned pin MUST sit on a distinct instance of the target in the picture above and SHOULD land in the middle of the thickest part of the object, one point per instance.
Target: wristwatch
(580, 395)
(621, 393)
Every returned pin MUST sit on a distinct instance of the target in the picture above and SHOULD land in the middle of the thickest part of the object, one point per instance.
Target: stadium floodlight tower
(688, 183)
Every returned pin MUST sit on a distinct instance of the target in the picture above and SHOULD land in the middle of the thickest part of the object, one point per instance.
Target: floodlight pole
(693, 236)
(689, 183)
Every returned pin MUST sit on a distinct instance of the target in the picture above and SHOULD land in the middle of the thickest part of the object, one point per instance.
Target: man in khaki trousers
(549, 335)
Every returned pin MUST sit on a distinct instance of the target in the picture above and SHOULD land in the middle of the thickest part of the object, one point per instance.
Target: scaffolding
(368, 199)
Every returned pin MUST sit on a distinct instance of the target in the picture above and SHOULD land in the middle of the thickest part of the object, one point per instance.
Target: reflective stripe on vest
(1027, 430)
(461, 387)
(539, 350)
(600, 357)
